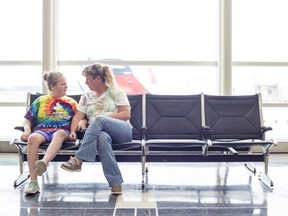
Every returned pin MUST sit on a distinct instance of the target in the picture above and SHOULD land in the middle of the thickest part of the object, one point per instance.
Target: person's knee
(61, 134)
(35, 139)
(100, 119)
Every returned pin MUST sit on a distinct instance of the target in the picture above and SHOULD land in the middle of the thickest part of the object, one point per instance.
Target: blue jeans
(99, 137)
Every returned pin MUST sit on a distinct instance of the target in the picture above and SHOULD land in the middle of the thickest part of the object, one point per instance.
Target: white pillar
(49, 61)
(225, 48)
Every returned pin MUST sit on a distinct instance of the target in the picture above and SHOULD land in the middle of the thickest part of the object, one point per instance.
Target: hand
(72, 136)
(25, 135)
(82, 125)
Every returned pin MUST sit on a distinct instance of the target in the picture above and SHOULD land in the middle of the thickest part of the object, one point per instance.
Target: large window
(168, 32)
(146, 30)
(157, 46)
(21, 48)
(21, 29)
(259, 33)
(260, 48)
(271, 81)
(20, 59)
(260, 57)
(152, 79)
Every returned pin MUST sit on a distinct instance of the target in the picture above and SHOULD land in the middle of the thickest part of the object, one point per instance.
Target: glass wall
(260, 58)
(168, 32)
(20, 59)
(259, 30)
(130, 30)
(152, 79)
(161, 47)
(260, 48)
(21, 29)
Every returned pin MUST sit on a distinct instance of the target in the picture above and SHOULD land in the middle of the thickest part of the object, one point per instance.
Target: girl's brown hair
(52, 78)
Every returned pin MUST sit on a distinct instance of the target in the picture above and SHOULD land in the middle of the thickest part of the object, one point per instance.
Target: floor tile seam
(68, 207)
(157, 209)
(211, 207)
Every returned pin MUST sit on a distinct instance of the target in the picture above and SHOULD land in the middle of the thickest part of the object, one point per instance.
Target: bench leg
(143, 162)
(250, 168)
(21, 178)
(205, 150)
(263, 177)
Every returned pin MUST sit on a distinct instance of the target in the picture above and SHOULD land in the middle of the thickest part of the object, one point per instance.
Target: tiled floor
(173, 189)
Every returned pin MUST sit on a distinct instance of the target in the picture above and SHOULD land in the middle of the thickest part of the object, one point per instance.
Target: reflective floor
(171, 189)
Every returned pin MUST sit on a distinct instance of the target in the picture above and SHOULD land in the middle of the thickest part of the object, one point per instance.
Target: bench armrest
(207, 133)
(20, 128)
(265, 129)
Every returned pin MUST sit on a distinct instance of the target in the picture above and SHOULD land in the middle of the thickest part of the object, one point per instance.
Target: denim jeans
(99, 137)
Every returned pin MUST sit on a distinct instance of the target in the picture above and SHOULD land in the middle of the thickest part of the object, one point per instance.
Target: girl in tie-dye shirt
(50, 113)
(47, 121)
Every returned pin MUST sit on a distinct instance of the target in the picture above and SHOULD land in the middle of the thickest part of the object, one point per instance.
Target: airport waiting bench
(183, 128)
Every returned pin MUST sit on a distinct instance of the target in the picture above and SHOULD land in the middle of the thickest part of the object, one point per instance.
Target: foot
(72, 165)
(32, 187)
(116, 189)
(41, 167)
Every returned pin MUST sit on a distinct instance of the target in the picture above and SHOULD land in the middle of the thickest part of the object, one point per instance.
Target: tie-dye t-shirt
(49, 113)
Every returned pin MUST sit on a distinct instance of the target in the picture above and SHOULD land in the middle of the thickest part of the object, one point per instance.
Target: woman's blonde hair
(103, 72)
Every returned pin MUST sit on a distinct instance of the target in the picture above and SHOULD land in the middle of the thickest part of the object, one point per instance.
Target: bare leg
(59, 137)
(34, 142)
